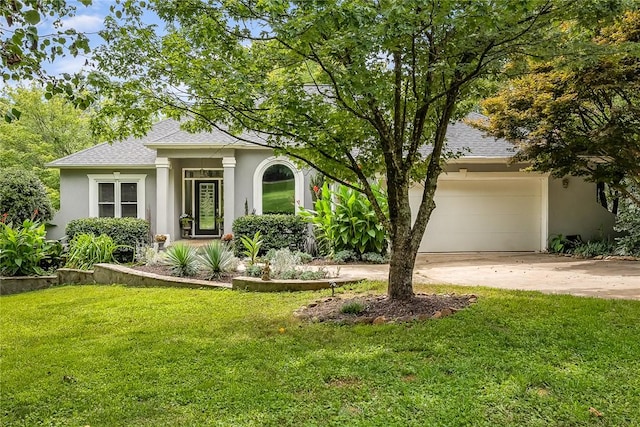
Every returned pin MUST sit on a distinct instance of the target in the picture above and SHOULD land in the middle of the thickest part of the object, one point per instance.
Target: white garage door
(483, 215)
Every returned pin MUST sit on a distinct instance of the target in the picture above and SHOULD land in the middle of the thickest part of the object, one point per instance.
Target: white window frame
(116, 178)
(298, 177)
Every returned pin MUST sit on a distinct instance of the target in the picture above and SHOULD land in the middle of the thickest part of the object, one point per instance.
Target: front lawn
(116, 356)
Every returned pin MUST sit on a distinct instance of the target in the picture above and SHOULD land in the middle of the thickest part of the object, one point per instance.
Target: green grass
(116, 356)
(277, 197)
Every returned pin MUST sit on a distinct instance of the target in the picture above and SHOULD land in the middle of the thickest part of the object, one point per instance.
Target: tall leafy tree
(351, 88)
(26, 44)
(579, 115)
(46, 130)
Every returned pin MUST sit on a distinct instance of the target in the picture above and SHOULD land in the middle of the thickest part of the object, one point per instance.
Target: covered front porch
(195, 194)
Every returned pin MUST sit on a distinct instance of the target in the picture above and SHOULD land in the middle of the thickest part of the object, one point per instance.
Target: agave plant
(182, 259)
(217, 258)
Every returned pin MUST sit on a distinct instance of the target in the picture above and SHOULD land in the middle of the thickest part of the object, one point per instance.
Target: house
(483, 202)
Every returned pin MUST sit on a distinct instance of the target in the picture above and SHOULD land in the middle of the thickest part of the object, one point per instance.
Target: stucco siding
(74, 196)
(575, 210)
(246, 163)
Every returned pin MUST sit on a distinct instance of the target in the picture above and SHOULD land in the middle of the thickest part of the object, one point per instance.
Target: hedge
(123, 231)
(278, 231)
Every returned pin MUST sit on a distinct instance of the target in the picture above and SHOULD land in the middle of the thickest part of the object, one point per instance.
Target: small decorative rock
(446, 312)
(379, 320)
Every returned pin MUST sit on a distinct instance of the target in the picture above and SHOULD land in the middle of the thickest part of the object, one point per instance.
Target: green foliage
(217, 258)
(558, 244)
(55, 256)
(85, 250)
(32, 35)
(284, 261)
(305, 258)
(47, 130)
(353, 307)
(253, 270)
(22, 196)
(628, 223)
(345, 255)
(579, 115)
(374, 258)
(276, 231)
(347, 220)
(251, 246)
(593, 248)
(22, 248)
(125, 232)
(182, 259)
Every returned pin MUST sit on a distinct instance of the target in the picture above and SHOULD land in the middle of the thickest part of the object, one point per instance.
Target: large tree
(579, 115)
(31, 35)
(351, 88)
(46, 130)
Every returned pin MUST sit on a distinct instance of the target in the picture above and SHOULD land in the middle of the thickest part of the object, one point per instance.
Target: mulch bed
(379, 309)
(164, 270)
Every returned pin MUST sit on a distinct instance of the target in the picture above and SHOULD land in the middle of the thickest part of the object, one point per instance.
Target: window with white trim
(288, 171)
(116, 195)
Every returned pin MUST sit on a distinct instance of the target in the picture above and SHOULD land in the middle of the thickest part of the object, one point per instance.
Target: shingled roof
(135, 152)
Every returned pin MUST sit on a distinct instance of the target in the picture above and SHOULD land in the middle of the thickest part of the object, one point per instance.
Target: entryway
(202, 200)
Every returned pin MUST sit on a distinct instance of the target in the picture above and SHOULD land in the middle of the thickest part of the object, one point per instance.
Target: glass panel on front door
(207, 208)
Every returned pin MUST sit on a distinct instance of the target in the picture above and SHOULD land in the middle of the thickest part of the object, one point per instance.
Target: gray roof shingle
(461, 137)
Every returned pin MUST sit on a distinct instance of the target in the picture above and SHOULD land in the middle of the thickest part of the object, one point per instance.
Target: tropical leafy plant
(217, 258)
(86, 250)
(22, 248)
(182, 259)
(347, 220)
(594, 248)
(251, 246)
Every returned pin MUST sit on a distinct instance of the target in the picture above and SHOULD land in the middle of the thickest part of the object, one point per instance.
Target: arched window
(278, 187)
(278, 190)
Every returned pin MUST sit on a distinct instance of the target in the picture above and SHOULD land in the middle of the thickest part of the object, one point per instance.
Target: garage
(485, 212)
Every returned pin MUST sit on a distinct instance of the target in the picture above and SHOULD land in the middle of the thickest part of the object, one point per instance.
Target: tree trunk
(401, 265)
(403, 251)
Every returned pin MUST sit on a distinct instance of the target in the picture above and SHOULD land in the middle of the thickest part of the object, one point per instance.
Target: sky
(88, 20)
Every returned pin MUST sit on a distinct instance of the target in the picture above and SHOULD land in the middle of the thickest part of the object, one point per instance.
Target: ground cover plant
(110, 355)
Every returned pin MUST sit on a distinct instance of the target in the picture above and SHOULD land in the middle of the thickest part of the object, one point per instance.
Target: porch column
(229, 184)
(162, 195)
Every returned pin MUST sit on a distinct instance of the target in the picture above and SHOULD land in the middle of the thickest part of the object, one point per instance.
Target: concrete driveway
(526, 271)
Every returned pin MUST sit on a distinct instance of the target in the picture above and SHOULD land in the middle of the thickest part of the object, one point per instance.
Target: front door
(207, 208)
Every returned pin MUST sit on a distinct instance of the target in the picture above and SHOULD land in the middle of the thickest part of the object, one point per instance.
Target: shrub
(305, 258)
(282, 262)
(85, 250)
(253, 270)
(353, 307)
(321, 273)
(593, 248)
(54, 256)
(125, 232)
(628, 223)
(345, 255)
(347, 221)
(277, 231)
(22, 249)
(182, 259)
(217, 258)
(374, 258)
(22, 197)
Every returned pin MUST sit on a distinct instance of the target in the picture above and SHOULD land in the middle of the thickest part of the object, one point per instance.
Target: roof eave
(94, 166)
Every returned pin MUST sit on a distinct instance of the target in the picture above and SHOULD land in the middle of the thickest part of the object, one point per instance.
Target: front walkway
(524, 271)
